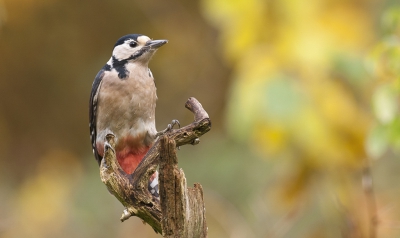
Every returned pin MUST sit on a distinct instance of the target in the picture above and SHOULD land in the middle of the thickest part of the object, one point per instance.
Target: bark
(180, 211)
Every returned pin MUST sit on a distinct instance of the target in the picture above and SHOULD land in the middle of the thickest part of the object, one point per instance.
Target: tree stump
(180, 211)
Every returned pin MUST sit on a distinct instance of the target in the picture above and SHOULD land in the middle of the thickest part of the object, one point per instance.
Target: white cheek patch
(123, 51)
(143, 39)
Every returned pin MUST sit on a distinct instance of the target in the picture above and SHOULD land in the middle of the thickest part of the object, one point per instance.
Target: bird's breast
(126, 107)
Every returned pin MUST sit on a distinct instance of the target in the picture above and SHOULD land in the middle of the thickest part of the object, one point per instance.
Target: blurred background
(303, 96)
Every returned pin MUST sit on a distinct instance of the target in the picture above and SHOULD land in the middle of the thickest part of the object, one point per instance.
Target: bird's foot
(169, 127)
(107, 146)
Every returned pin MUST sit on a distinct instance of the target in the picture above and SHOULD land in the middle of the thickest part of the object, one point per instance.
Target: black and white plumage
(123, 101)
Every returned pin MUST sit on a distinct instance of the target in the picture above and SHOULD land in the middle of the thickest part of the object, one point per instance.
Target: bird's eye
(132, 44)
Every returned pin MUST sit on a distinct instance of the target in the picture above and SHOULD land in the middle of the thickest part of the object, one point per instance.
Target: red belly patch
(129, 151)
(129, 158)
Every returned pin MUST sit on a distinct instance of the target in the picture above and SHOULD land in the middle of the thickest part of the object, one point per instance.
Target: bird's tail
(153, 185)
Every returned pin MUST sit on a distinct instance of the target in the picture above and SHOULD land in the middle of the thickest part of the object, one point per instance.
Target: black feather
(119, 66)
(93, 111)
(107, 67)
(122, 40)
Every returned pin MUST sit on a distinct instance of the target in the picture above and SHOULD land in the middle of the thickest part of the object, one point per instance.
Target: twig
(367, 184)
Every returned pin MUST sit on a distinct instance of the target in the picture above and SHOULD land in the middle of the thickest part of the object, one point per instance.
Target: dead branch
(367, 184)
(180, 212)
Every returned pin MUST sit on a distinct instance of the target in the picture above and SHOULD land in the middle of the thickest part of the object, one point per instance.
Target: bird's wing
(93, 112)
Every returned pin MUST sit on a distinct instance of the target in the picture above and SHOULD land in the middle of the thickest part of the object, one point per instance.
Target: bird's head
(136, 47)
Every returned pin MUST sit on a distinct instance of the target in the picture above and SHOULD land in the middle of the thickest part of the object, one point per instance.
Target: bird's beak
(154, 44)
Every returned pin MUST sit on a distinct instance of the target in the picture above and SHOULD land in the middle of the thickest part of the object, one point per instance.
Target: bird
(123, 101)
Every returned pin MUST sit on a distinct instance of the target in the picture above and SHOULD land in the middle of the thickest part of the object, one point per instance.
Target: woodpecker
(123, 102)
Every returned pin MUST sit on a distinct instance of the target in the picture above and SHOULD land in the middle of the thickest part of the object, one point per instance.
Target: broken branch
(180, 212)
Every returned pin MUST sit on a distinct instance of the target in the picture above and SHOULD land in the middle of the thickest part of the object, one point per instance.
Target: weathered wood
(182, 208)
(132, 194)
(181, 212)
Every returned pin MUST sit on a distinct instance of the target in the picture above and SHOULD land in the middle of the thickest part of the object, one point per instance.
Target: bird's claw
(175, 122)
(169, 127)
(107, 146)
